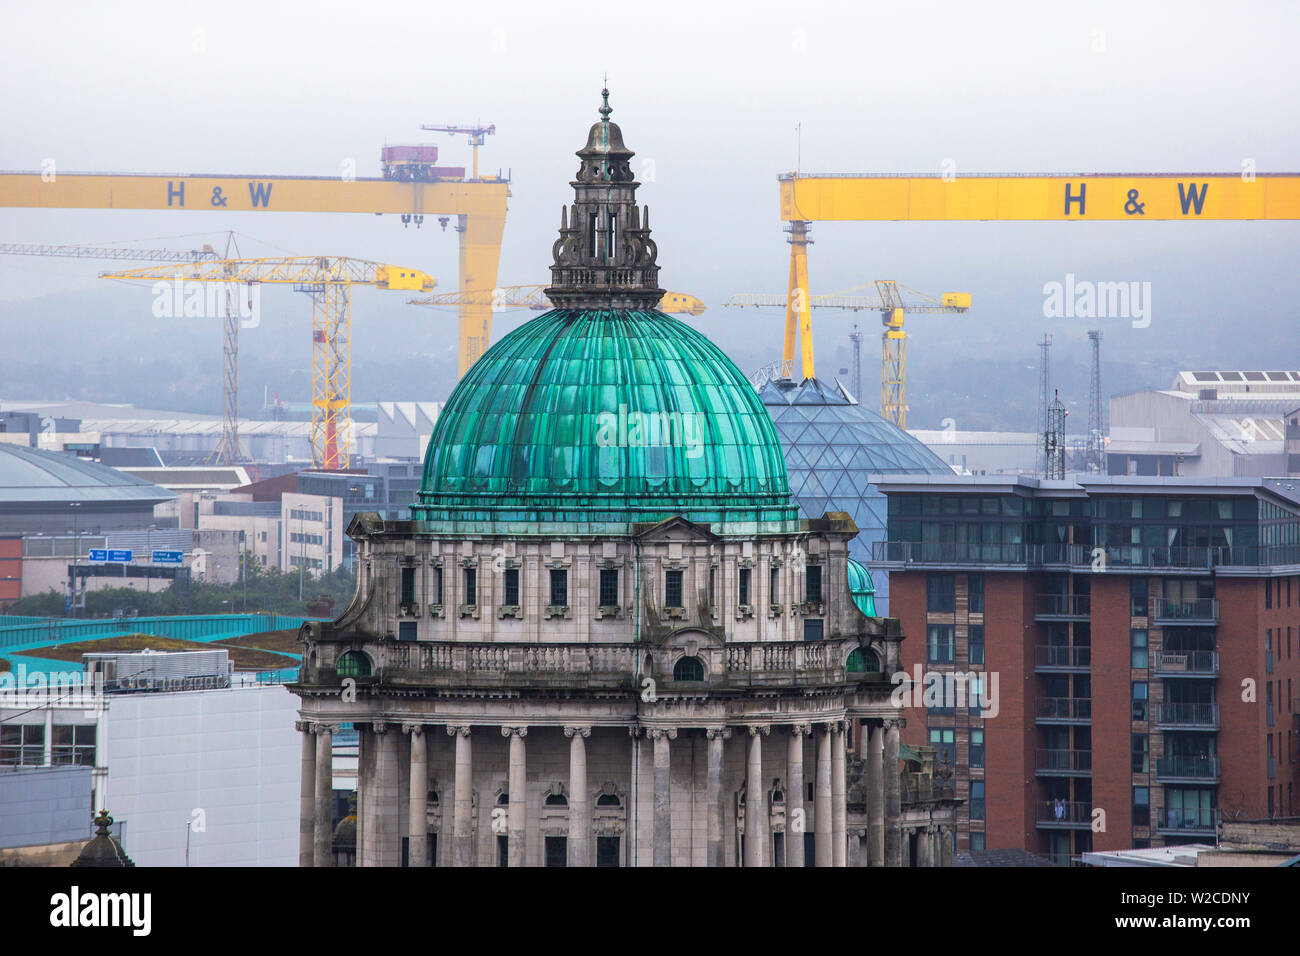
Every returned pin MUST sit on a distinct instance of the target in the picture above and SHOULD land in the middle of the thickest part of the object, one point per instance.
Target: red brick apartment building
(1140, 638)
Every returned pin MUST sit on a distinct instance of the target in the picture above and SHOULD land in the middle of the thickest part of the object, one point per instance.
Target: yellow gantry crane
(890, 302)
(329, 281)
(534, 297)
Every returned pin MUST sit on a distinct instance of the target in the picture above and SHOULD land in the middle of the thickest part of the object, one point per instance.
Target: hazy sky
(711, 93)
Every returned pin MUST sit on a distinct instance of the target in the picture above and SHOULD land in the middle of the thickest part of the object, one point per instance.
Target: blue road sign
(168, 557)
(98, 554)
(117, 554)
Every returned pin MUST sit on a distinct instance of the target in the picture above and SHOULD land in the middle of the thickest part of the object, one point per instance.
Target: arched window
(688, 668)
(608, 800)
(353, 664)
(556, 800)
(862, 661)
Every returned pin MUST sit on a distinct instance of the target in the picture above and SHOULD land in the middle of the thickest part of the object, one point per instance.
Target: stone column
(307, 796)
(323, 852)
(839, 807)
(381, 838)
(923, 846)
(663, 806)
(755, 822)
(876, 796)
(893, 797)
(822, 819)
(945, 846)
(713, 792)
(516, 815)
(462, 826)
(796, 820)
(579, 797)
(417, 851)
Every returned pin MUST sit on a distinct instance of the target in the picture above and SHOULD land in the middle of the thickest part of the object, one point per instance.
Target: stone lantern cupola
(604, 257)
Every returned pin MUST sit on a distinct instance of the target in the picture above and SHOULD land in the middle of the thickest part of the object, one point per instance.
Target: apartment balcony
(1167, 716)
(1062, 607)
(1202, 612)
(1063, 710)
(1188, 823)
(1062, 660)
(1187, 770)
(1063, 815)
(1063, 763)
(899, 554)
(1186, 664)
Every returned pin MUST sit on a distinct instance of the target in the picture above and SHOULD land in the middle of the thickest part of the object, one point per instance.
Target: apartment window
(559, 587)
(1139, 700)
(408, 585)
(940, 593)
(976, 749)
(1138, 648)
(976, 842)
(744, 588)
(977, 799)
(939, 644)
(673, 589)
(512, 587)
(812, 630)
(945, 746)
(609, 588)
(813, 584)
(22, 744)
(976, 645)
(74, 744)
(1137, 597)
(437, 585)
(975, 593)
(471, 586)
(1141, 753)
(1141, 806)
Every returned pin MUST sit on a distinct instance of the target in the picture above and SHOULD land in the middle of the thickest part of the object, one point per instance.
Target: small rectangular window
(1138, 645)
(976, 644)
(975, 593)
(1140, 700)
(1137, 597)
(940, 593)
(503, 851)
(673, 589)
(744, 587)
(774, 586)
(939, 644)
(559, 587)
(607, 851)
(977, 748)
(713, 581)
(609, 588)
(1141, 753)
(408, 585)
(1141, 806)
(812, 630)
(512, 587)
(557, 851)
(471, 586)
(406, 630)
(977, 799)
(813, 584)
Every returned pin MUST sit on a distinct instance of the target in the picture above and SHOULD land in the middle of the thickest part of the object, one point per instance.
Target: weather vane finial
(604, 100)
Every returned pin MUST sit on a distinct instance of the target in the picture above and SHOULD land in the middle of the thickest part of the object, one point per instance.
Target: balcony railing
(1066, 763)
(1065, 814)
(1192, 769)
(1063, 710)
(1062, 606)
(1186, 716)
(1187, 664)
(454, 663)
(1201, 611)
(1064, 659)
(1199, 821)
(1082, 555)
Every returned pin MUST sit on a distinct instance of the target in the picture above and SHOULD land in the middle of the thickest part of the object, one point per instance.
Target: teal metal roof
(30, 475)
(604, 416)
(862, 588)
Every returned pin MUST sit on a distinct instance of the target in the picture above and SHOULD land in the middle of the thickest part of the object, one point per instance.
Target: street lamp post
(76, 547)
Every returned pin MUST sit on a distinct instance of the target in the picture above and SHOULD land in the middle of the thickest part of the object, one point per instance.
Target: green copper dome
(600, 417)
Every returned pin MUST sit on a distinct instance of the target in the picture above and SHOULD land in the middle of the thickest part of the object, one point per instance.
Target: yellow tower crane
(329, 281)
(534, 297)
(891, 305)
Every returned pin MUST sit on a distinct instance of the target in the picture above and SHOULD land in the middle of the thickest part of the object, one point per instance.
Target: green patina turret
(604, 411)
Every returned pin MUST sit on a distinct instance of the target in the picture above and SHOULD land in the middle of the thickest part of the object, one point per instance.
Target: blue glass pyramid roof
(832, 444)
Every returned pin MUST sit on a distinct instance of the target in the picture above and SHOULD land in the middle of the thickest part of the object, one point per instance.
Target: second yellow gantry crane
(329, 280)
